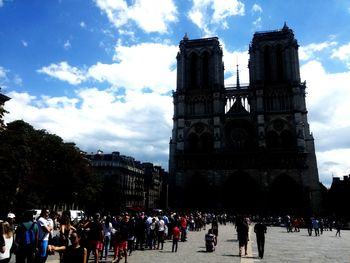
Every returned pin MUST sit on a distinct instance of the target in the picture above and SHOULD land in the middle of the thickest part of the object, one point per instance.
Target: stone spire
(238, 86)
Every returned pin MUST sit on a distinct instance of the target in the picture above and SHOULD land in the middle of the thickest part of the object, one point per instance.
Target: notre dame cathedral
(242, 148)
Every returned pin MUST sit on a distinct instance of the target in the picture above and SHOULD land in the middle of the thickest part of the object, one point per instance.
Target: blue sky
(100, 73)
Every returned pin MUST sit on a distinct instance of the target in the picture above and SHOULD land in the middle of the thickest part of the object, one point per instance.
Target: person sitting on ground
(210, 241)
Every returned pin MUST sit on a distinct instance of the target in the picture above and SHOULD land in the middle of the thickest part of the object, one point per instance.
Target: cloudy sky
(100, 73)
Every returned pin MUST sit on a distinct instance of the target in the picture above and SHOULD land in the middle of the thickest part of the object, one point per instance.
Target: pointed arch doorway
(196, 192)
(241, 194)
(286, 196)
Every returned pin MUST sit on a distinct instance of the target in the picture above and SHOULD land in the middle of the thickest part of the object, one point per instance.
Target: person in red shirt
(176, 236)
(183, 223)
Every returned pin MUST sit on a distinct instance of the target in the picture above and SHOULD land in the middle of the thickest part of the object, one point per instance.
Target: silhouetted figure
(338, 226)
(242, 233)
(260, 231)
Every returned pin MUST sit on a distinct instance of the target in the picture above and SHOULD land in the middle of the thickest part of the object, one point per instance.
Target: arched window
(205, 70)
(267, 64)
(279, 63)
(193, 71)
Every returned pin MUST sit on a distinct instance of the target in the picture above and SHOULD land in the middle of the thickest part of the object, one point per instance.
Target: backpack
(28, 235)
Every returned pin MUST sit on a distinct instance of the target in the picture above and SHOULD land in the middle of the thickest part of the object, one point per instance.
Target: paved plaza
(280, 247)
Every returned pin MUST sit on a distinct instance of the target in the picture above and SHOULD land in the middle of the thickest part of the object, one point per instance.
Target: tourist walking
(121, 240)
(260, 231)
(140, 231)
(242, 234)
(45, 228)
(107, 231)
(176, 236)
(95, 237)
(316, 226)
(183, 224)
(65, 230)
(131, 234)
(338, 227)
(160, 233)
(215, 227)
(26, 239)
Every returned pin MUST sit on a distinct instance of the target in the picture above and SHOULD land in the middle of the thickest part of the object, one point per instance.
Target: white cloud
(333, 163)
(197, 17)
(3, 73)
(106, 122)
(257, 8)
(307, 52)
(257, 22)
(210, 13)
(6, 77)
(137, 67)
(129, 33)
(64, 72)
(1, 3)
(343, 53)
(149, 15)
(231, 60)
(67, 45)
(24, 43)
(104, 116)
(17, 80)
(327, 102)
(82, 24)
(327, 95)
(223, 9)
(153, 15)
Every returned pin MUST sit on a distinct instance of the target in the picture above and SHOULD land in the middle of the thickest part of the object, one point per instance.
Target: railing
(234, 86)
(235, 94)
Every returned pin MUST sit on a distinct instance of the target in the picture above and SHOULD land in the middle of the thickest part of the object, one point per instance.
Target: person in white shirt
(160, 234)
(45, 227)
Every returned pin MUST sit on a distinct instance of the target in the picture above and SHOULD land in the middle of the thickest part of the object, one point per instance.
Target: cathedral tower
(242, 148)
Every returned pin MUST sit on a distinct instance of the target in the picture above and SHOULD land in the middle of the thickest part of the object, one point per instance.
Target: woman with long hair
(65, 229)
(7, 234)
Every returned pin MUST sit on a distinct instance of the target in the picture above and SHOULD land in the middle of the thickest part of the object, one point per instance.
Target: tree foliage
(39, 169)
(2, 113)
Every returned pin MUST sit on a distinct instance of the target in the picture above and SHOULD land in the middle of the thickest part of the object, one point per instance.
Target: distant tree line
(38, 169)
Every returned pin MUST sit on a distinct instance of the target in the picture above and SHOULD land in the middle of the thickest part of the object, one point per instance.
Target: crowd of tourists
(313, 224)
(34, 239)
(103, 237)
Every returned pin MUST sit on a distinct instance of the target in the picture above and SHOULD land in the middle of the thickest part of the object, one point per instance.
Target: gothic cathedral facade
(242, 148)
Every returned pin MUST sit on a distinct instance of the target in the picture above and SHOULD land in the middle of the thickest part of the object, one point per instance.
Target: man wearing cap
(11, 220)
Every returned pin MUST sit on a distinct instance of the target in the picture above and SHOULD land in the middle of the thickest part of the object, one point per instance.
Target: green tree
(2, 113)
(39, 169)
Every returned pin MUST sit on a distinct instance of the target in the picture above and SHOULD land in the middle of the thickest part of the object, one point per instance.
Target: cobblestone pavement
(280, 246)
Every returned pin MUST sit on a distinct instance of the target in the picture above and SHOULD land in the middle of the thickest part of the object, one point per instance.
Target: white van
(75, 215)
(36, 213)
